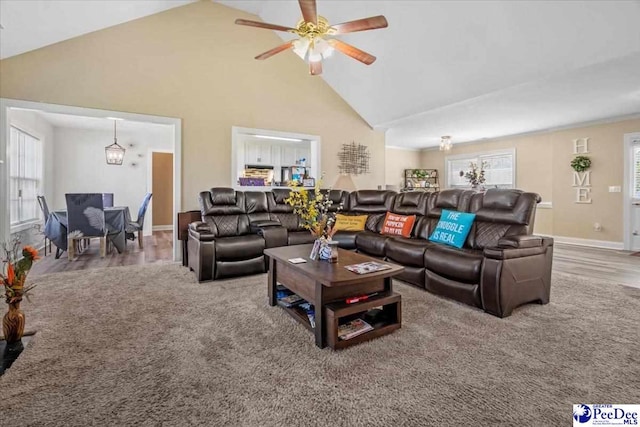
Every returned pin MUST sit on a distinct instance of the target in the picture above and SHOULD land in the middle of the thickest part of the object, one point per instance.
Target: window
(25, 176)
(499, 167)
(636, 172)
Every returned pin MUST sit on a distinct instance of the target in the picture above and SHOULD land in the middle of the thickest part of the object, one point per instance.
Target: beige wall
(396, 161)
(162, 184)
(543, 167)
(194, 63)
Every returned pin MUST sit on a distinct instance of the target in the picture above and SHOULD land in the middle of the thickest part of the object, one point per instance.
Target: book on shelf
(367, 267)
(311, 313)
(353, 329)
(291, 300)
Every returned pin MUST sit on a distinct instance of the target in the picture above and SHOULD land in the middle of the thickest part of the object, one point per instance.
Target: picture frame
(309, 182)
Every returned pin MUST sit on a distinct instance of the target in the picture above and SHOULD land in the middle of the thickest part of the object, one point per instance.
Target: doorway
(161, 208)
(632, 192)
(176, 131)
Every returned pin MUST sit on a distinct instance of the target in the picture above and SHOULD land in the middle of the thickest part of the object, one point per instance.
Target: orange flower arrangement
(15, 271)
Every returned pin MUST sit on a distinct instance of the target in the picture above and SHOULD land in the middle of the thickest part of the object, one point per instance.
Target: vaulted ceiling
(470, 69)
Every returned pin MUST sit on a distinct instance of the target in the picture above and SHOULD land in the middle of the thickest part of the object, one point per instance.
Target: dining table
(116, 219)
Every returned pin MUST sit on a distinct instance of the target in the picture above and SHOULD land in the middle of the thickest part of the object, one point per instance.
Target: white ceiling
(32, 24)
(470, 69)
(97, 123)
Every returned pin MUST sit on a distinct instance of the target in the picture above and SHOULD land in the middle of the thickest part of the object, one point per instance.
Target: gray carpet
(146, 345)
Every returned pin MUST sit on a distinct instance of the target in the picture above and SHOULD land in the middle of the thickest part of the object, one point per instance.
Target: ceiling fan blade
(309, 10)
(263, 25)
(352, 51)
(315, 68)
(363, 24)
(278, 49)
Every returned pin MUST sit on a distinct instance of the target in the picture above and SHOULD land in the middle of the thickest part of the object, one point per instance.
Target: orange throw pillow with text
(398, 225)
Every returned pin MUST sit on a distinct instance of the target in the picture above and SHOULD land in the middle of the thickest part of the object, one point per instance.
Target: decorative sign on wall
(353, 159)
(581, 172)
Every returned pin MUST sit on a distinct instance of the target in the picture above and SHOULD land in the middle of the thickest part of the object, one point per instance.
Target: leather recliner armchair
(222, 245)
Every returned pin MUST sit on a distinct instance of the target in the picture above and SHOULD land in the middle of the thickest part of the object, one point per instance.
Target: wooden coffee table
(326, 286)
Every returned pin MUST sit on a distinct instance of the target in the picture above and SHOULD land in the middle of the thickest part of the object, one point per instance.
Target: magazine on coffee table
(367, 267)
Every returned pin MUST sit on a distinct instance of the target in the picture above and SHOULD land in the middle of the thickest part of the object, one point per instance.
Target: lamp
(344, 182)
(445, 143)
(114, 152)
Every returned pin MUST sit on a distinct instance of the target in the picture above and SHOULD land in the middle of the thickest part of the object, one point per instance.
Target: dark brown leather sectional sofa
(501, 266)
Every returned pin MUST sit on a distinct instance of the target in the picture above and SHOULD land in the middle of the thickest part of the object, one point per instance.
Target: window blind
(499, 169)
(636, 171)
(25, 176)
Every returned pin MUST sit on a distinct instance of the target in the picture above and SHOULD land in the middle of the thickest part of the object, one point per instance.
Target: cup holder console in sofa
(501, 265)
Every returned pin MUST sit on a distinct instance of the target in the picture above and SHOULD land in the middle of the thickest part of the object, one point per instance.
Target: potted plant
(13, 277)
(421, 175)
(475, 175)
(316, 217)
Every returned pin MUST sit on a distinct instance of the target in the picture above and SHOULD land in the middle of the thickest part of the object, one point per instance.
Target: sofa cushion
(350, 222)
(301, 237)
(346, 239)
(459, 264)
(407, 251)
(398, 225)
(453, 228)
(239, 247)
(371, 243)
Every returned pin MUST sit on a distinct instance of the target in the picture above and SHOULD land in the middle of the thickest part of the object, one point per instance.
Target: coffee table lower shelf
(334, 312)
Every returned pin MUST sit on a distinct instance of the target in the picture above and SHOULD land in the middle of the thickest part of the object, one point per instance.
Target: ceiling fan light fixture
(445, 143)
(301, 46)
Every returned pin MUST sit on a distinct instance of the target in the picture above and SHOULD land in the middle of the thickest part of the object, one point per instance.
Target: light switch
(615, 189)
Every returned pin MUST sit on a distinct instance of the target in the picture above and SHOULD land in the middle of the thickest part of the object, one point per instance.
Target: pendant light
(114, 152)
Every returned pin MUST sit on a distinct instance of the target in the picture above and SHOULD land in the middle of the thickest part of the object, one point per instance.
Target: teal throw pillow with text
(453, 228)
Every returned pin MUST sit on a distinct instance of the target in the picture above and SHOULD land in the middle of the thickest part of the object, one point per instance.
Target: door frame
(150, 152)
(6, 104)
(629, 139)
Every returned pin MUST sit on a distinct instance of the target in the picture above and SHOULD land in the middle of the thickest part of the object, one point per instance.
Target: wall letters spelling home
(582, 180)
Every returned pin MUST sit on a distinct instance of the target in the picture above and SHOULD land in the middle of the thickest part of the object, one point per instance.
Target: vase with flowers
(13, 277)
(475, 174)
(317, 216)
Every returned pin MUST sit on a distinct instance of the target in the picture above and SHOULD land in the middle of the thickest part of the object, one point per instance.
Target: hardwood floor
(158, 247)
(604, 264)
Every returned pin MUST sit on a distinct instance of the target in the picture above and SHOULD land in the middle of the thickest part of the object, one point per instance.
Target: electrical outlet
(615, 189)
(597, 226)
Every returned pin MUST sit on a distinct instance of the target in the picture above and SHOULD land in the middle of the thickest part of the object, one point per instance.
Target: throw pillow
(350, 222)
(398, 225)
(453, 228)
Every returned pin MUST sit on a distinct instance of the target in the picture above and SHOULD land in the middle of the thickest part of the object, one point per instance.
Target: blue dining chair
(107, 200)
(44, 207)
(85, 216)
(138, 224)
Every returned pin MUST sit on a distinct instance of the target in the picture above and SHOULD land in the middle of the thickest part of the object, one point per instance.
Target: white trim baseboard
(162, 227)
(605, 244)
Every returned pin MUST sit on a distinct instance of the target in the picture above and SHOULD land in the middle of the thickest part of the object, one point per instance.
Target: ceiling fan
(313, 44)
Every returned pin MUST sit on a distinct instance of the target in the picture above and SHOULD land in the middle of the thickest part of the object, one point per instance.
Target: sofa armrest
(274, 235)
(518, 247)
(201, 231)
(522, 241)
(255, 226)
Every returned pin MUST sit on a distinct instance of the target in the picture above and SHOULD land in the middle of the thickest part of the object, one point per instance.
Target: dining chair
(85, 217)
(138, 224)
(107, 200)
(45, 214)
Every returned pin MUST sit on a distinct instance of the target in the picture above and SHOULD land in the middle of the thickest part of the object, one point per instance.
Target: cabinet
(291, 154)
(257, 153)
(422, 179)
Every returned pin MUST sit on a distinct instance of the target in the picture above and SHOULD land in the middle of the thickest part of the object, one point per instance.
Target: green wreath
(581, 163)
